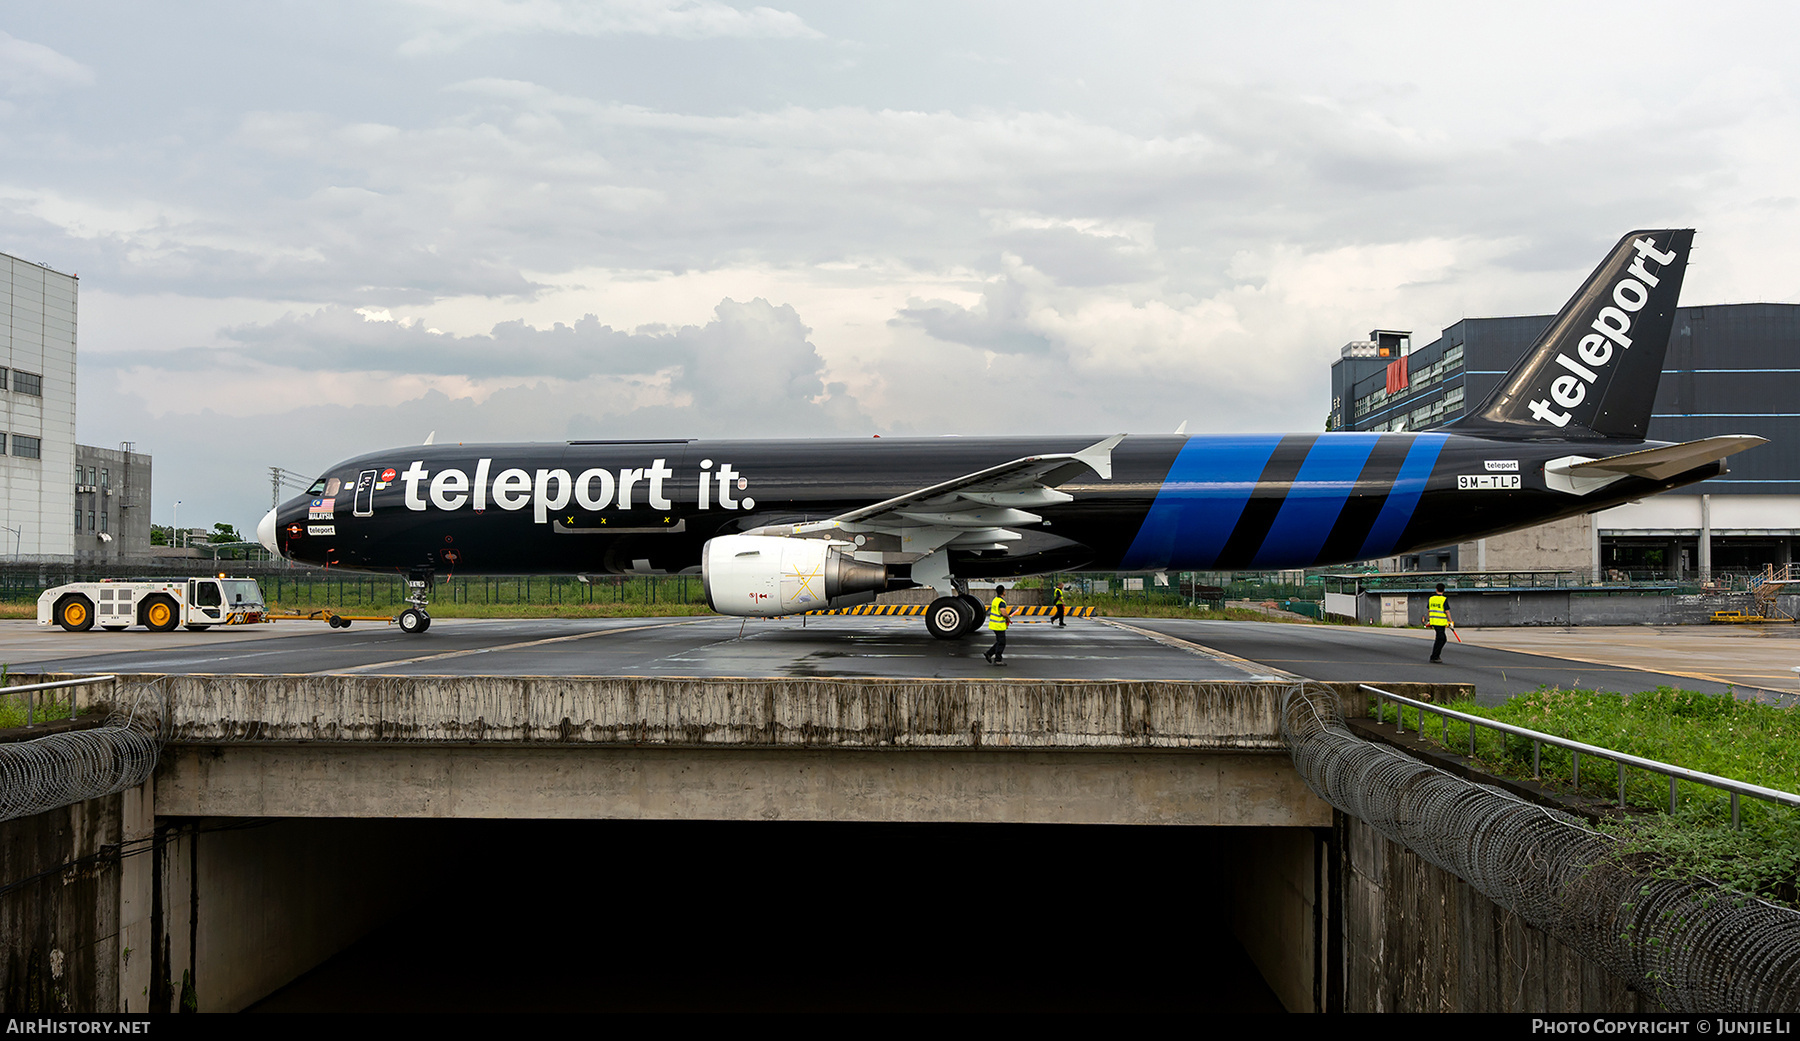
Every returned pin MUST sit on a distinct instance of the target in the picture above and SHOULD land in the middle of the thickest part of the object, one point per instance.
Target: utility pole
(281, 475)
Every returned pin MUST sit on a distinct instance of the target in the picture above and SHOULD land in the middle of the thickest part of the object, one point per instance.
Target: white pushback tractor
(158, 605)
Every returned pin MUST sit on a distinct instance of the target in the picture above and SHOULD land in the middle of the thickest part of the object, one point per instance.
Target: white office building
(37, 411)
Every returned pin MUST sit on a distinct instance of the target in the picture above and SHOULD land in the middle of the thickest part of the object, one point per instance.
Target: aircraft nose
(265, 533)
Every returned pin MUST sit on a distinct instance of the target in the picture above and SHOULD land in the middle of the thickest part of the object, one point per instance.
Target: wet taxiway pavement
(1623, 659)
(707, 646)
(1499, 663)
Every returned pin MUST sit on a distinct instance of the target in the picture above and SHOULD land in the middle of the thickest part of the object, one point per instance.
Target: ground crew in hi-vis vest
(997, 615)
(1061, 605)
(1437, 616)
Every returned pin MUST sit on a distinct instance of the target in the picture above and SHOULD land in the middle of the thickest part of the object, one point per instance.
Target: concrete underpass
(661, 842)
(1148, 839)
(640, 915)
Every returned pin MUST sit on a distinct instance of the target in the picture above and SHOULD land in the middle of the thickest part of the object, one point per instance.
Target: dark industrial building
(112, 504)
(1730, 369)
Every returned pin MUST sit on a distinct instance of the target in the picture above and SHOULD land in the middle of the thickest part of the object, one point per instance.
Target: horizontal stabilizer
(1659, 463)
(1580, 475)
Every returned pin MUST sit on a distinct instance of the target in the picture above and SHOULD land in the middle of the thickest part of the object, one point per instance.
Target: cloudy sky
(306, 230)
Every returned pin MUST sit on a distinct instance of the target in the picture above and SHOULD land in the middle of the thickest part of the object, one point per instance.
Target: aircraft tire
(412, 621)
(977, 614)
(159, 614)
(427, 617)
(947, 618)
(75, 613)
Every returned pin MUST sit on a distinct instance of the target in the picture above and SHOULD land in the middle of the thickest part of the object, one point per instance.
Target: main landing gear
(954, 617)
(416, 619)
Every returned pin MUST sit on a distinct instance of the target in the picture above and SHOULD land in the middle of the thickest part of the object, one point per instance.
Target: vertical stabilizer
(1593, 374)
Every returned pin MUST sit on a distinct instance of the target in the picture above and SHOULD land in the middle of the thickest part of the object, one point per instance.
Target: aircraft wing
(974, 511)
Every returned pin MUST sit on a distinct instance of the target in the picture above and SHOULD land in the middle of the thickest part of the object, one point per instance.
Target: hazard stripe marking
(919, 609)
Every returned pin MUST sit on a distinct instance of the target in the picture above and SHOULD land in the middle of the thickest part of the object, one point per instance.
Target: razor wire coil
(1693, 947)
(62, 769)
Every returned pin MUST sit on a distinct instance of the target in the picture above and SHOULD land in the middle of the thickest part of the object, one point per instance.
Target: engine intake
(765, 575)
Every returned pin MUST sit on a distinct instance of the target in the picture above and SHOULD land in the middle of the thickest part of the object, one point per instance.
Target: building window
(91, 478)
(77, 520)
(90, 520)
(27, 383)
(78, 472)
(3, 373)
(26, 447)
(105, 482)
(103, 520)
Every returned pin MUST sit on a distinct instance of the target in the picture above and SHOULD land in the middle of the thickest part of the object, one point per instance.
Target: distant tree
(159, 535)
(223, 532)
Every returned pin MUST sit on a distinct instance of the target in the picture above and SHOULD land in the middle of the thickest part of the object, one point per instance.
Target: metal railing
(30, 691)
(1576, 750)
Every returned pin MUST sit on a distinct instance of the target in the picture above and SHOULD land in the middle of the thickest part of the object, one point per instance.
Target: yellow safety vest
(1437, 610)
(1059, 596)
(997, 614)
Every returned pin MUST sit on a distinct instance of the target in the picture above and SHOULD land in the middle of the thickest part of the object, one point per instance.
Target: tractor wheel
(159, 614)
(75, 613)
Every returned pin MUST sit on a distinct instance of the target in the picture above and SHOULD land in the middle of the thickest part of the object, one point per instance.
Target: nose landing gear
(416, 619)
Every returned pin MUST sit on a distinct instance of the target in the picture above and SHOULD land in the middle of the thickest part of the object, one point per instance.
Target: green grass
(1711, 733)
(1120, 607)
(12, 709)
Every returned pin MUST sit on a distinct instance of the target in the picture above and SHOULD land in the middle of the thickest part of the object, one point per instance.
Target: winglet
(431, 437)
(1098, 457)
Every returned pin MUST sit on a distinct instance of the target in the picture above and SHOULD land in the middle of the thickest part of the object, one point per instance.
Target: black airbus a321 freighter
(781, 527)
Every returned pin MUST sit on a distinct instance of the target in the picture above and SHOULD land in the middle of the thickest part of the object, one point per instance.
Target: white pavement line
(1255, 668)
(494, 650)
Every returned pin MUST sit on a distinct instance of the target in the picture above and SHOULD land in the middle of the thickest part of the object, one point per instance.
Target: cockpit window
(318, 487)
(332, 486)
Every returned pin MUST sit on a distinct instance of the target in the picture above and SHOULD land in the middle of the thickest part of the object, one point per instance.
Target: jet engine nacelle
(767, 575)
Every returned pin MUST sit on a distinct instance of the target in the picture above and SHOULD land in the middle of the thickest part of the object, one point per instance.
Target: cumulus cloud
(454, 23)
(32, 68)
(511, 176)
(751, 364)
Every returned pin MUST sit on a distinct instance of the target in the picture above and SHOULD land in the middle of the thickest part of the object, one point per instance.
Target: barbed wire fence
(62, 769)
(1693, 947)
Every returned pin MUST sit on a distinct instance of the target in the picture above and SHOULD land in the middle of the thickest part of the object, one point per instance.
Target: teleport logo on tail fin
(1594, 372)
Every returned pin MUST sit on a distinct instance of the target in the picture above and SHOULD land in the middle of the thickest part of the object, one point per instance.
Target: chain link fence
(1693, 947)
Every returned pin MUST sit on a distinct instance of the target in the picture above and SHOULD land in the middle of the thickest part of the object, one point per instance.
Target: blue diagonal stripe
(1200, 501)
(1404, 498)
(1312, 505)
